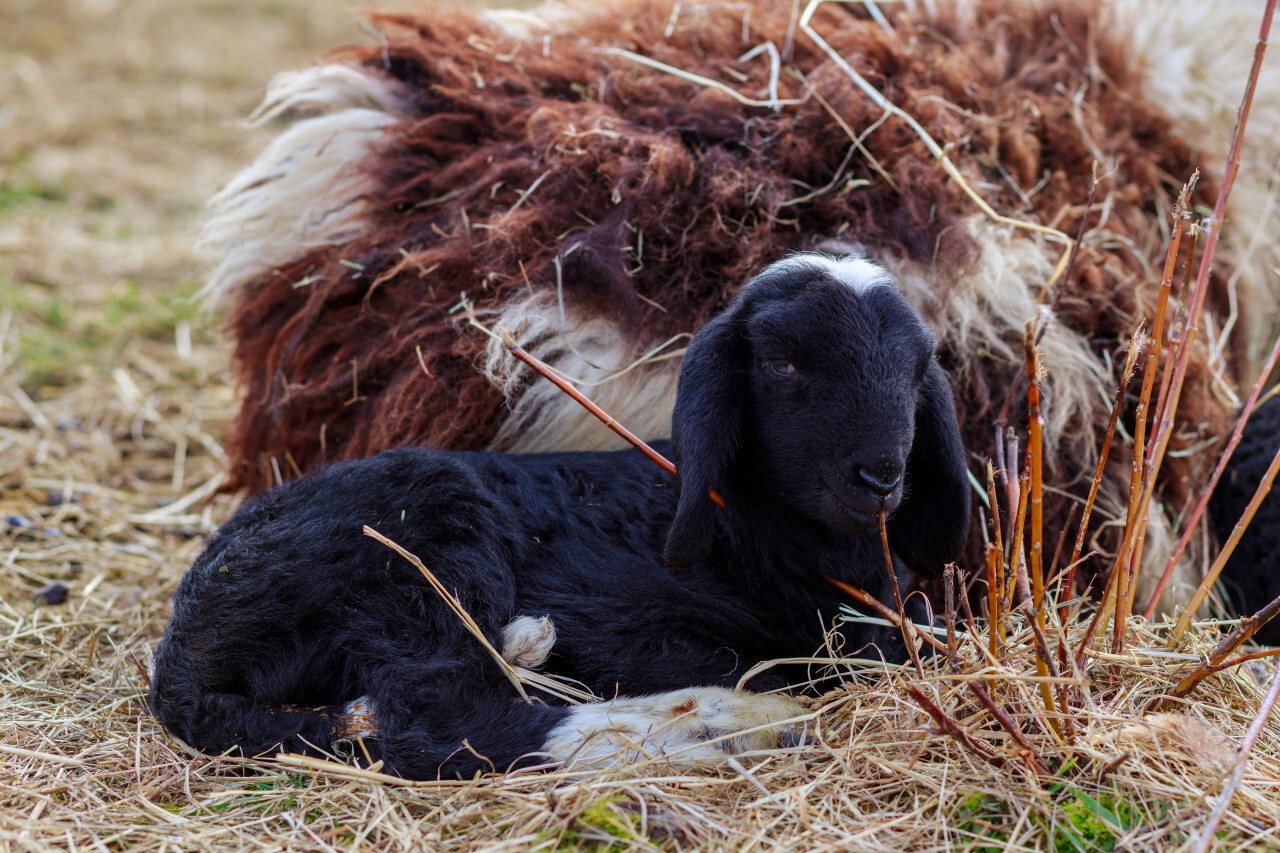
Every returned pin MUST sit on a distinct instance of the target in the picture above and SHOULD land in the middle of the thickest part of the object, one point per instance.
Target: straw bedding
(86, 768)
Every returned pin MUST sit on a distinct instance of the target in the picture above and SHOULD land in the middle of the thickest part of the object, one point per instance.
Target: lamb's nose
(881, 483)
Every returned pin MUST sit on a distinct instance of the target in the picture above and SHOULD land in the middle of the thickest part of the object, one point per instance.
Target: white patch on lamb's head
(698, 725)
(855, 271)
(305, 189)
(527, 641)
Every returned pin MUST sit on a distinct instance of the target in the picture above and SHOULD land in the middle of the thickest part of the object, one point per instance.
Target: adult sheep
(813, 405)
(598, 176)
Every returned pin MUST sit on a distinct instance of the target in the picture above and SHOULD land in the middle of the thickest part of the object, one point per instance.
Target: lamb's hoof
(527, 641)
(699, 725)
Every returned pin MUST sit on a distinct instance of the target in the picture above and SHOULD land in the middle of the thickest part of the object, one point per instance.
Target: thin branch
(1194, 518)
(1184, 620)
(1209, 834)
(866, 599)
(952, 728)
(1009, 726)
(1248, 626)
(909, 632)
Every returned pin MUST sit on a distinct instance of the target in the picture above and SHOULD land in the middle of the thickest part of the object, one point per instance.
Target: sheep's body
(600, 206)
(813, 404)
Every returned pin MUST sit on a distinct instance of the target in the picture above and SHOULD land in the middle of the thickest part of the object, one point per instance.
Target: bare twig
(1194, 518)
(908, 627)
(1213, 231)
(1210, 831)
(541, 368)
(1006, 723)
(949, 602)
(1035, 426)
(1213, 663)
(952, 728)
(866, 599)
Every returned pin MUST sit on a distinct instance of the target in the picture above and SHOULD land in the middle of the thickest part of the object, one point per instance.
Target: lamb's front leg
(697, 725)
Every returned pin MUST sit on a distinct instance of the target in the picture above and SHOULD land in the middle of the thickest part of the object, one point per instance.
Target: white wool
(985, 310)
(1196, 58)
(304, 189)
(542, 417)
(326, 89)
(546, 19)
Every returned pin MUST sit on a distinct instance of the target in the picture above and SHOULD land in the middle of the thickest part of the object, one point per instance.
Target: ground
(118, 119)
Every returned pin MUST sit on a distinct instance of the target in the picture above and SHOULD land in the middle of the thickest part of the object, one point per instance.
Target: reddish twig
(1035, 442)
(1006, 723)
(952, 728)
(996, 536)
(1213, 232)
(1126, 376)
(994, 597)
(1213, 662)
(1239, 659)
(1129, 562)
(1184, 620)
(1016, 563)
(865, 598)
(545, 371)
(949, 601)
(1194, 518)
(906, 625)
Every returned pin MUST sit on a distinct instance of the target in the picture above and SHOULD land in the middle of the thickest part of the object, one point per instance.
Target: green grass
(595, 828)
(17, 195)
(62, 340)
(1074, 821)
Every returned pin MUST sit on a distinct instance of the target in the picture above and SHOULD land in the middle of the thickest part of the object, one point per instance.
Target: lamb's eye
(782, 367)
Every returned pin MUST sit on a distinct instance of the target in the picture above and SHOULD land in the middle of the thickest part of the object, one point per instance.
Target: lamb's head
(818, 389)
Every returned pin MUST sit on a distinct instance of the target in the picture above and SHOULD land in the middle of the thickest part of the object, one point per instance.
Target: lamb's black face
(830, 418)
(810, 392)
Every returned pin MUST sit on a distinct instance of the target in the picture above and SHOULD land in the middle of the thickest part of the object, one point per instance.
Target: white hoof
(527, 641)
(698, 725)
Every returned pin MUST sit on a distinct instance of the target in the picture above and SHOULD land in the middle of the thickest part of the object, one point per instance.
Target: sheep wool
(600, 178)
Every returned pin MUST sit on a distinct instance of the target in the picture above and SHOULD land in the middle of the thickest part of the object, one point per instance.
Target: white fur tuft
(304, 190)
(527, 641)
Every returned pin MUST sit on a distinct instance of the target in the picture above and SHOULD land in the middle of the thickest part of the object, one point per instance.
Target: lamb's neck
(767, 545)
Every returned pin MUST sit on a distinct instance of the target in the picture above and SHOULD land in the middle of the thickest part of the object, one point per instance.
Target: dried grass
(109, 462)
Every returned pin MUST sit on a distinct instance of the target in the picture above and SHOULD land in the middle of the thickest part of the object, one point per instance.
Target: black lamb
(810, 405)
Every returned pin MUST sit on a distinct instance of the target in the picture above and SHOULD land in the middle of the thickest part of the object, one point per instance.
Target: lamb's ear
(929, 528)
(705, 430)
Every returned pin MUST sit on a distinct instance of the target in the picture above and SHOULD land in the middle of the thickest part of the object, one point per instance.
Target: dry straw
(1027, 730)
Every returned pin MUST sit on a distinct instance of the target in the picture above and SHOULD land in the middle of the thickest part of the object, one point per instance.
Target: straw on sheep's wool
(602, 206)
